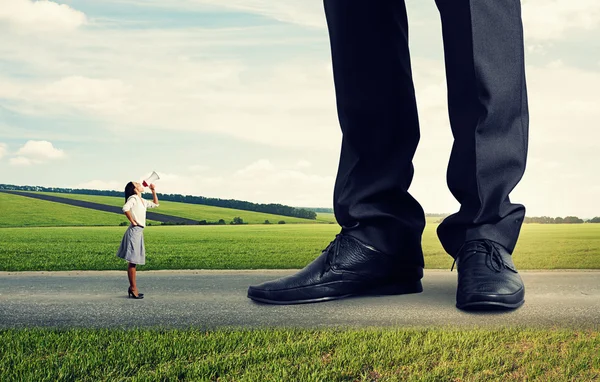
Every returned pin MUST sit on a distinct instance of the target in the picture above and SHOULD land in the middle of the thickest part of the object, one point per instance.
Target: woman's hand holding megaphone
(154, 196)
(154, 176)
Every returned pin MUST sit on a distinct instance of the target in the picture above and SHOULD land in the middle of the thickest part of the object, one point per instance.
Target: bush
(124, 223)
(267, 222)
(221, 221)
(281, 222)
(202, 222)
(237, 220)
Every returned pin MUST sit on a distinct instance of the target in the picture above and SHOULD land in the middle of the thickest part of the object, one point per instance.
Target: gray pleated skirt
(132, 246)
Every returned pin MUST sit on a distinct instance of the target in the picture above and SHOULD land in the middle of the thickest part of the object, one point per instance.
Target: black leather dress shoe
(487, 277)
(347, 267)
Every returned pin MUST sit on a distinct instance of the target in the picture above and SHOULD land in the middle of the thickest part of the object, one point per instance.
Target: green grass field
(20, 211)
(345, 354)
(300, 355)
(195, 211)
(326, 217)
(260, 247)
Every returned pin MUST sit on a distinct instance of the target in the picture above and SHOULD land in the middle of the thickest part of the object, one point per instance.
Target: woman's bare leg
(131, 276)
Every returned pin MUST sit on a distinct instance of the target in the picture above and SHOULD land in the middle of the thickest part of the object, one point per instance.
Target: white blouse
(138, 207)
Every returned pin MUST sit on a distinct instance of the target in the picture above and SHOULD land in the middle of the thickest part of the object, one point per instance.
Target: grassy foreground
(300, 355)
(260, 247)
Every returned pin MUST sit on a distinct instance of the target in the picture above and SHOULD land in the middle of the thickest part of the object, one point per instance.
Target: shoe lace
(331, 249)
(494, 260)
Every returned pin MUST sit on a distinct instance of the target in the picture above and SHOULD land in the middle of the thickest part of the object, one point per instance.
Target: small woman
(132, 246)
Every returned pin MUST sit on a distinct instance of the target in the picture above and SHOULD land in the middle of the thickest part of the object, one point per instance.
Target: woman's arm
(127, 210)
(130, 217)
(152, 188)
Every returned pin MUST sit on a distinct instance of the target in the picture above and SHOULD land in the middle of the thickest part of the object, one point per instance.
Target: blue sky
(234, 99)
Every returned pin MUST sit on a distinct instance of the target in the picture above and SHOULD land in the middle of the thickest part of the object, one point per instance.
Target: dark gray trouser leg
(487, 98)
(378, 117)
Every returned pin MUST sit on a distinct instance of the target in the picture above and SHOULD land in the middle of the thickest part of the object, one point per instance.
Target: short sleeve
(130, 203)
(150, 204)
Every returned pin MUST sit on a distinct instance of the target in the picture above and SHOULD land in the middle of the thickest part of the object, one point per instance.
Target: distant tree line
(436, 215)
(330, 211)
(319, 209)
(276, 209)
(557, 220)
(560, 220)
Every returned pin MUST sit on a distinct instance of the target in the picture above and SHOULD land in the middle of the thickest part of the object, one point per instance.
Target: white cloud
(180, 80)
(92, 94)
(36, 152)
(543, 19)
(563, 158)
(3, 149)
(256, 169)
(198, 167)
(546, 20)
(540, 49)
(41, 150)
(179, 85)
(101, 185)
(303, 164)
(39, 16)
(288, 106)
(306, 13)
(563, 155)
(22, 161)
(564, 101)
(265, 182)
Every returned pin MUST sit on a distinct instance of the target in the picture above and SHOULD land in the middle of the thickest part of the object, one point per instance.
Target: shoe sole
(494, 302)
(489, 305)
(382, 290)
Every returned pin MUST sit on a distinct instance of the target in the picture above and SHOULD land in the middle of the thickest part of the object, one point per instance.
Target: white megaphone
(154, 176)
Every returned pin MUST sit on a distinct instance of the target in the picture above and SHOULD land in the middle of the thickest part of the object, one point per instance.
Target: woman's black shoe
(132, 295)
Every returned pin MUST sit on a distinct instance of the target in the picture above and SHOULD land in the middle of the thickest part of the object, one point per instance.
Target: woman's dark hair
(129, 190)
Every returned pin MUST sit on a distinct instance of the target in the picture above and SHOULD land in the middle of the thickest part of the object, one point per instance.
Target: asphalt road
(216, 299)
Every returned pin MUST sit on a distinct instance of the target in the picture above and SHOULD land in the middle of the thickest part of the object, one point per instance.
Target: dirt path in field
(216, 299)
(102, 207)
